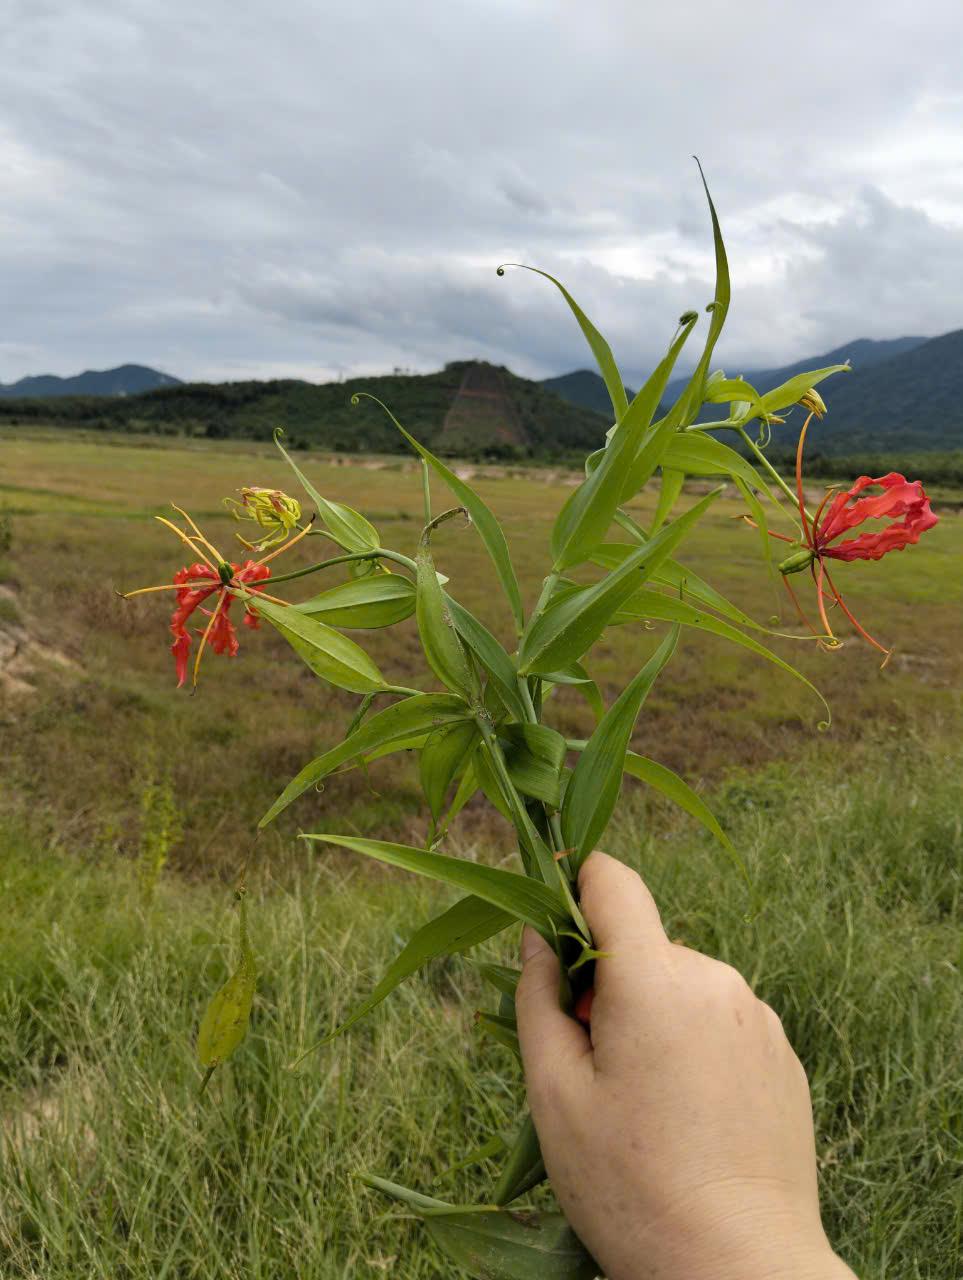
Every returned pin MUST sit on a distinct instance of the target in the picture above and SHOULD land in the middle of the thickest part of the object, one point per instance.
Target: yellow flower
(271, 509)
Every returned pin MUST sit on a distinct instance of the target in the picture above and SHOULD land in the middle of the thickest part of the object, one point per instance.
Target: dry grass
(81, 516)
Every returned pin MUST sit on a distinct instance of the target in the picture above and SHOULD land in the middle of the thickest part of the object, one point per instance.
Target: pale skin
(678, 1138)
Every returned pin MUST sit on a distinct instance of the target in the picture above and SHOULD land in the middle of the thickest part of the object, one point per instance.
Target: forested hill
(903, 396)
(469, 408)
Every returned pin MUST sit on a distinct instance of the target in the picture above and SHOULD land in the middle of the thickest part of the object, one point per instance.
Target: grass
(112, 1167)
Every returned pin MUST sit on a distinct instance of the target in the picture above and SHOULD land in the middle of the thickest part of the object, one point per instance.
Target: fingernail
(531, 943)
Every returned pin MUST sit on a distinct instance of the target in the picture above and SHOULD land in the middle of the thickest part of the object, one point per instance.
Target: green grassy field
(111, 1167)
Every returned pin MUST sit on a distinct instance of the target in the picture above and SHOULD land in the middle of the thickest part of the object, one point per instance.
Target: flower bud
(273, 510)
(798, 561)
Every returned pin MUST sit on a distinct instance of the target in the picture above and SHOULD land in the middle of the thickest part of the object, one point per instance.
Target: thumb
(551, 1042)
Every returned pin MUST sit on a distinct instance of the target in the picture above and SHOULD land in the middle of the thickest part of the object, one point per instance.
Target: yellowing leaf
(224, 1024)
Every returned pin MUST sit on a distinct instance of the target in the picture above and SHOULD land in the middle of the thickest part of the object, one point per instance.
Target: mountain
(583, 387)
(912, 401)
(863, 353)
(904, 395)
(469, 409)
(125, 380)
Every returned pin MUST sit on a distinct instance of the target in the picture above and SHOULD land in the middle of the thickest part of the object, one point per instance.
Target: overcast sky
(304, 188)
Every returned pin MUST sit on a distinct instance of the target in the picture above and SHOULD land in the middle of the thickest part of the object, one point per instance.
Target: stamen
(190, 541)
(290, 543)
(168, 586)
(207, 631)
(255, 591)
(204, 542)
(772, 533)
(861, 630)
(799, 609)
(831, 641)
(821, 508)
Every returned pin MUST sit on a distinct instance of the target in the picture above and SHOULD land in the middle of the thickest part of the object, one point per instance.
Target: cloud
(313, 190)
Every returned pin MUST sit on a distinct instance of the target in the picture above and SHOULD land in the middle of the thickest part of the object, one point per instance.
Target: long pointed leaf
(600, 348)
(396, 723)
(379, 600)
(570, 626)
(489, 530)
(648, 604)
(329, 654)
(468, 923)
(593, 789)
(588, 512)
(525, 899)
(347, 527)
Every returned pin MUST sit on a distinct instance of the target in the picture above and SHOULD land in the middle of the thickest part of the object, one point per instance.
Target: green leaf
(496, 1244)
(489, 529)
(467, 788)
(788, 393)
(494, 1146)
(571, 625)
(524, 1168)
(588, 512)
(698, 454)
(502, 1030)
(512, 1246)
(224, 1024)
(444, 753)
(600, 348)
(593, 790)
(328, 653)
(463, 926)
(669, 492)
(501, 977)
(380, 600)
(525, 899)
(575, 674)
(647, 604)
(348, 528)
(680, 793)
(534, 754)
(681, 580)
(490, 655)
(689, 403)
(439, 639)
(396, 724)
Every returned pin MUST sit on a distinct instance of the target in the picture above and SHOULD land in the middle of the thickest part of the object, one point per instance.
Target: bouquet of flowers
(486, 724)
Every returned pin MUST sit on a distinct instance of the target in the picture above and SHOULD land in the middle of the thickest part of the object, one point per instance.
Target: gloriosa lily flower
(902, 501)
(211, 575)
(271, 509)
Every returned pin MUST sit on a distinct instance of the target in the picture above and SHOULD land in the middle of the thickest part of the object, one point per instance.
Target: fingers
(618, 907)
(551, 1041)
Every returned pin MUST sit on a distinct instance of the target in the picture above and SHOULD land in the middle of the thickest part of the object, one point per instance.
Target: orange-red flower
(891, 497)
(195, 583)
(212, 575)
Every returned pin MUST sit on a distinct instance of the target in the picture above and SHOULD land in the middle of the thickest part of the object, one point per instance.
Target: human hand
(678, 1138)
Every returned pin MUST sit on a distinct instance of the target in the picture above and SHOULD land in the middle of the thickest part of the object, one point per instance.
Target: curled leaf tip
(277, 433)
(688, 317)
(499, 271)
(356, 398)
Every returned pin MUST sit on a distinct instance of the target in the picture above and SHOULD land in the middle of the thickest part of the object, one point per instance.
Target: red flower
(901, 501)
(211, 575)
(219, 632)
